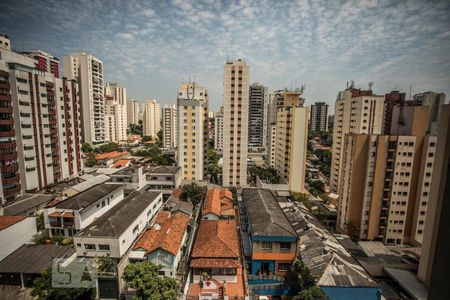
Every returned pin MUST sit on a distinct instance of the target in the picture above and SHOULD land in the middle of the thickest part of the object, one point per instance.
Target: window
(285, 246)
(135, 229)
(284, 267)
(266, 245)
(89, 246)
(103, 247)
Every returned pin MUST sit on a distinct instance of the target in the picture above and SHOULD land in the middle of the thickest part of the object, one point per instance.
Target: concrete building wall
(151, 118)
(132, 112)
(235, 128)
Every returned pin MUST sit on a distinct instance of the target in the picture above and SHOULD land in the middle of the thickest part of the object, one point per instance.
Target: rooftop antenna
(370, 85)
(352, 84)
(410, 89)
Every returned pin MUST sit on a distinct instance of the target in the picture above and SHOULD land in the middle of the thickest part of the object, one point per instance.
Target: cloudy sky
(150, 47)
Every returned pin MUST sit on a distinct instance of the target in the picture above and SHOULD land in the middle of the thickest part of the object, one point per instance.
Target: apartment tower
(319, 117)
(132, 112)
(151, 118)
(87, 70)
(170, 126)
(192, 102)
(235, 124)
(218, 130)
(356, 111)
(257, 116)
(115, 112)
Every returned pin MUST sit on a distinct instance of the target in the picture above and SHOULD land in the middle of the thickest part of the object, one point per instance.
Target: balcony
(8, 144)
(10, 168)
(5, 109)
(12, 179)
(8, 156)
(7, 121)
(11, 191)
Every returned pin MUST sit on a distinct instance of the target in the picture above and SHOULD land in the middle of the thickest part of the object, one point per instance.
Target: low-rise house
(132, 178)
(163, 242)
(333, 268)
(114, 232)
(89, 181)
(162, 178)
(27, 205)
(21, 267)
(175, 204)
(216, 265)
(77, 212)
(271, 243)
(14, 232)
(218, 204)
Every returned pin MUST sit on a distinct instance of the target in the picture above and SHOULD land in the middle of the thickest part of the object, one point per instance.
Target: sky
(151, 47)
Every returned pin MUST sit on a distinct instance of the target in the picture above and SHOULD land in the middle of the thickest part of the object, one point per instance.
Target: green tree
(43, 289)
(304, 276)
(90, 160)
(105, 264)
(146, 138)
(268, 174)
(213, 167)
(143, 279)
(351, 229)
(160, 138)
(86, 148)
(312, 293)
(192, 193)
(135, 129)
(110, 147)
(40, 225)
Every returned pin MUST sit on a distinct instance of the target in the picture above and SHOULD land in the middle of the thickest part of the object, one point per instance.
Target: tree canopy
(312, 293)
(191, 192)
(143, 279)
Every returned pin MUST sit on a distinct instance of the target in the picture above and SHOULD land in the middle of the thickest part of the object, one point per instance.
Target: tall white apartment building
(170, 126)
(39, 128)
(257, 116)
(356, 111)
(88, 71)
(115, 112)
(132, 112)
(218, 130)
(192, 102)
(151, 118)
(235, 124)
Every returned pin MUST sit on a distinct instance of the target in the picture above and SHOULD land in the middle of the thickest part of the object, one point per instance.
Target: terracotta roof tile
(216, 239)
(167, 236)
(214, 263)
(6, 221)
(217, 200)
(109, 155)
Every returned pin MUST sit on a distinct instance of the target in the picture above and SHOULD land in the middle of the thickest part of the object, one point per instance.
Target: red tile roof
(167, 236)
(109, 155)
(216, 239)
(6, 221)
(121, 163)
(214, 263)
(217, 200)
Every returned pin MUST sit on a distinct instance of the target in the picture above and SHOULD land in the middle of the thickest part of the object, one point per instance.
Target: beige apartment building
(291, 132)
(235, 123)
(170, 126)
(151, 118)
(115, 112)
(218, 130)
(356, 111)
(385, 183)
(192, 102)
(132, 112)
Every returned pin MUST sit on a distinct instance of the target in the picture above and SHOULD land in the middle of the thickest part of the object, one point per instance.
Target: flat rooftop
(116, 220)
(88, 197)
(34, 259)
(265, 215)
(161, 169)
(409, 282)
(25, 203)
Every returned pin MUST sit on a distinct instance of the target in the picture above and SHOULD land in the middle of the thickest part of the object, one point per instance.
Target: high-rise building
(434, 101)
(390, 100)
(291, 146)
(45, 62)
(434, 258)
(356, 111)
(132, 112)
(170, 126)
(385, 180)
(257, 116)
(88, 71)
(319, 117)
(192, 102)
(235, 124)
(115, 113)
(218, 130)
(151, 118)
(40, 134)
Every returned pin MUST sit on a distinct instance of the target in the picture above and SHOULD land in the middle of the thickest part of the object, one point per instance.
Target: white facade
(355, 112)
(170, 126)
(235, 126)
(118, 245)
(218, 130)
(115, 112)
(14, 236)
(151, 118)
(192, 101)
(132, 112)
(88, 71)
